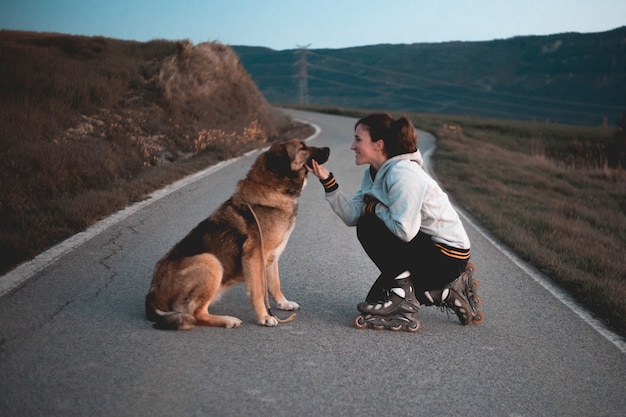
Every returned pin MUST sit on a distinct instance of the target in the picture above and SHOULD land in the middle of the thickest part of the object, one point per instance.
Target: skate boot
(460, 296)
(397, 311)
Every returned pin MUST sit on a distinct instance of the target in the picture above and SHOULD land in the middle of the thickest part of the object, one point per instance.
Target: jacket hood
(416, 156)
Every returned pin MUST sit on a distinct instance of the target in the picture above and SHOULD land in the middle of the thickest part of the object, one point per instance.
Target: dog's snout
(321, 155)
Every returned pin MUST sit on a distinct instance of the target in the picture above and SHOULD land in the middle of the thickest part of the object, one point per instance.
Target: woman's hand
(318, 170)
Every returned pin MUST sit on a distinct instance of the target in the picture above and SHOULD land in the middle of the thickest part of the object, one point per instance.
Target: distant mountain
(569, 77)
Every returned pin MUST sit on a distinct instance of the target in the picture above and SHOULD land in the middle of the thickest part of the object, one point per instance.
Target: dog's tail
(167, 320)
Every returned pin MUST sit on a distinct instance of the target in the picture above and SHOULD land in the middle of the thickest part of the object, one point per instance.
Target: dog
(241, 241)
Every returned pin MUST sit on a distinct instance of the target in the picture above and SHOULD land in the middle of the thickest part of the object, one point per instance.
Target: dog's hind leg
(199, 279)
(204, 318)
(209, 272)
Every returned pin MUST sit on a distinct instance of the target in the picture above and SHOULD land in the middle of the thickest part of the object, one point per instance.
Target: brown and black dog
(225, 249)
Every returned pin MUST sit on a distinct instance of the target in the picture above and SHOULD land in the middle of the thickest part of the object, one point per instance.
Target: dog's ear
(277, 159)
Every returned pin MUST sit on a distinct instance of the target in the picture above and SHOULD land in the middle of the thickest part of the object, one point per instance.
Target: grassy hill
(569, 77)
(90, 124)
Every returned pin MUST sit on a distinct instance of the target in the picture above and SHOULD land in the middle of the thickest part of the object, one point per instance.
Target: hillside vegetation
(568, 77)
(551, 197)
(90, 124)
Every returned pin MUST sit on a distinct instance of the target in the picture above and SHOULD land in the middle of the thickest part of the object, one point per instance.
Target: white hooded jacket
(410, 201)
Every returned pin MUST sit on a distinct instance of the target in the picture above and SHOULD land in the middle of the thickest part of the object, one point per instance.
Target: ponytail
(403, 129)
(399, 135)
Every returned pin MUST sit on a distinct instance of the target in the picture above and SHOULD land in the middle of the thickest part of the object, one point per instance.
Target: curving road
(74, 340)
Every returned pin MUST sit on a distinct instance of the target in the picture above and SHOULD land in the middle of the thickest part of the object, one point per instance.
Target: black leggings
(429, 267)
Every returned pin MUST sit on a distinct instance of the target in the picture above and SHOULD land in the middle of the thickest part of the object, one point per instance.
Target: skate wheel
(396, 328)
(478, 318)
(359, 322)
(475, 284)
(479, 301)
(377, 327)
(414, 327)
(472, 267)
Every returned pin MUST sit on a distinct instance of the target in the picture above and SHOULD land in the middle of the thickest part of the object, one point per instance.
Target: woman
(406, 225)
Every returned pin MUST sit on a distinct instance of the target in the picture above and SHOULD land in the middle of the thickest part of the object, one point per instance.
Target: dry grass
(89, 125)
(566, 217)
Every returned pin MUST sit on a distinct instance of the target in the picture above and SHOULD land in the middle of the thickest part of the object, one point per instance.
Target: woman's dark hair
(399, 135)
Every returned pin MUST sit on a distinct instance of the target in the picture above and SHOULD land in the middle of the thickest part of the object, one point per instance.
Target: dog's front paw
(268, 321)
(232, 322)
(288, 305)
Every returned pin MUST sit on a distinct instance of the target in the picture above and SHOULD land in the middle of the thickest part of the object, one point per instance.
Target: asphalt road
(74, 340)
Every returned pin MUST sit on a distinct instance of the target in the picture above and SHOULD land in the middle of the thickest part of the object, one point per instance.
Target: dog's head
(283, 167)
(288, 158)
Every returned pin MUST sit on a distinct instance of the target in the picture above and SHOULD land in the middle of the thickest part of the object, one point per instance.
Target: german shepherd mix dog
(240, 242)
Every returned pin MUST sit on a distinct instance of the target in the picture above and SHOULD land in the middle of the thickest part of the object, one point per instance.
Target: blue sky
(285, 24)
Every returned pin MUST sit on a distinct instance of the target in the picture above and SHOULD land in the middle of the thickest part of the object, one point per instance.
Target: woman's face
(366, 151)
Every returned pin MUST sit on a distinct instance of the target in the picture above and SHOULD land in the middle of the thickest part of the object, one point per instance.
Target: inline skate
(398, 311)
(460, 296)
